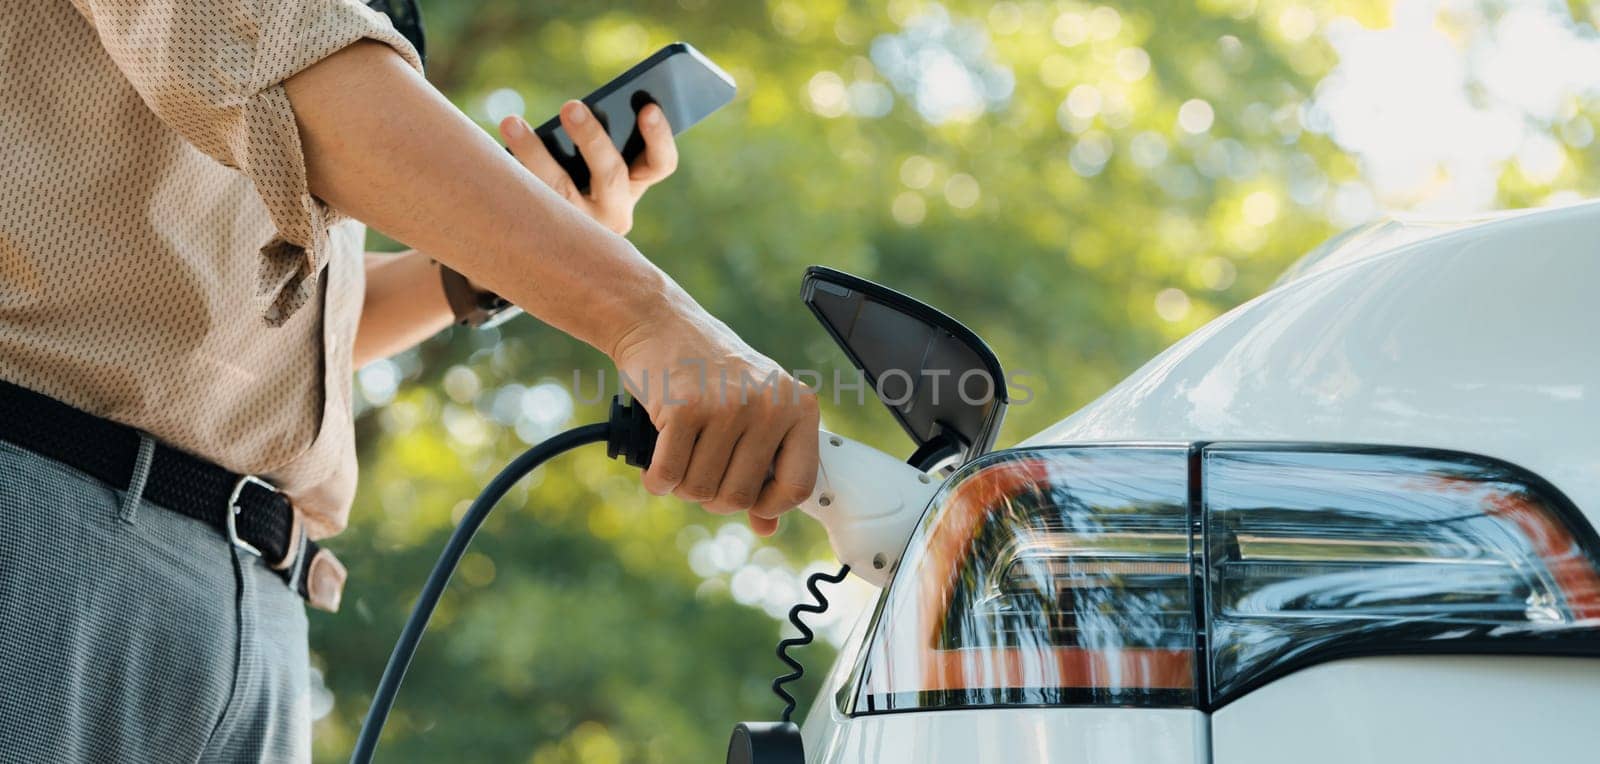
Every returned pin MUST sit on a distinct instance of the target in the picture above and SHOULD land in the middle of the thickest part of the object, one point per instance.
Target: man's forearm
(383, 146)
(404, 305)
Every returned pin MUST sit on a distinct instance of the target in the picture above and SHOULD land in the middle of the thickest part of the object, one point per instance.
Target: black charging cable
(628, 435)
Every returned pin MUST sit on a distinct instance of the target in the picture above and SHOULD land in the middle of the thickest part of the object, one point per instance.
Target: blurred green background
(1081, 184)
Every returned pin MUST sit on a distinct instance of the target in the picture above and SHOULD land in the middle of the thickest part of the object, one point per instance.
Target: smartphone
(681, 80)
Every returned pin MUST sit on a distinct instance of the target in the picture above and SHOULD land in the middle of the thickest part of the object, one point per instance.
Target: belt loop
(291, 555)
(141, 473)
(298, 566)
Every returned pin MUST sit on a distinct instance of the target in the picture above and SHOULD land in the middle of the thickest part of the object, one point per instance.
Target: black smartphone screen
(678, 78)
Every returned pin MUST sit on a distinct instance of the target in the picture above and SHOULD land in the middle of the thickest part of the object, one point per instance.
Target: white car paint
(1434, 710)
(1482, 337)
(1101, 735)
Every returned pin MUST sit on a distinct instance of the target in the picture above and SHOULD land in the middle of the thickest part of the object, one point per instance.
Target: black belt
(251, 513)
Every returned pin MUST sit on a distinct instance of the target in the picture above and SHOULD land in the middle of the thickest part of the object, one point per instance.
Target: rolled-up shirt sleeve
(213, 70)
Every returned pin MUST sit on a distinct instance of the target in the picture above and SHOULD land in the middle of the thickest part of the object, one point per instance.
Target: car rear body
(1468, 350)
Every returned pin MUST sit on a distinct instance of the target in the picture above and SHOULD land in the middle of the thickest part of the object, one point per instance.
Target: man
(182, 301)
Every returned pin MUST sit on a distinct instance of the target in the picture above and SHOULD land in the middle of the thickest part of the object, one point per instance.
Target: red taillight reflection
(971, 507)
(1563, 556)
(1067, 667)
(968, 510)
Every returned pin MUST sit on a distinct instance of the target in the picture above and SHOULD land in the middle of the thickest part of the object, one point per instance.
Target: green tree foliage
(1081, 184)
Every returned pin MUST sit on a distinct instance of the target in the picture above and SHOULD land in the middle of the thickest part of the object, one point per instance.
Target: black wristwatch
(473, 307)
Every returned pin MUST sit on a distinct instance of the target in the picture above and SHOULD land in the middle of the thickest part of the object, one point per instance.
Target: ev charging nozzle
(867, 501)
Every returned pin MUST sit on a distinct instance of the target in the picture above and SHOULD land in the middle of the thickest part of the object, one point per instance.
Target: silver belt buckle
(234, 509)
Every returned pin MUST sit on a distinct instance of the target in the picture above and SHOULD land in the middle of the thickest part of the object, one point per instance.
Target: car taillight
(1314, 554)
(1138, 575)
(1048, 577)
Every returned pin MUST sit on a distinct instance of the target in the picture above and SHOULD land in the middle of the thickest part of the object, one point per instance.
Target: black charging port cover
(941, 381)
(766, 743)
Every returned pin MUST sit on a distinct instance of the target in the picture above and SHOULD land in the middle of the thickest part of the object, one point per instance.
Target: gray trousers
(129, 632)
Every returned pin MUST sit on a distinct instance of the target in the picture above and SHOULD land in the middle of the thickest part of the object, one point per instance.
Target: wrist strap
(471, 306)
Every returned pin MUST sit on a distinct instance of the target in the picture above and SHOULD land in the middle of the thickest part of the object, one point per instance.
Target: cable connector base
(630, 436)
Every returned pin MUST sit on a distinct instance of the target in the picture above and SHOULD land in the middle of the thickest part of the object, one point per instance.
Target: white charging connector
(869, 503)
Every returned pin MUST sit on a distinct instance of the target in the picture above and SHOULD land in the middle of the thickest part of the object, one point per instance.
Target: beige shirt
(161, 261)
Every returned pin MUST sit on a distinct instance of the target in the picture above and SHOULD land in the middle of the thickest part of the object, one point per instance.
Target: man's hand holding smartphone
(614, 186)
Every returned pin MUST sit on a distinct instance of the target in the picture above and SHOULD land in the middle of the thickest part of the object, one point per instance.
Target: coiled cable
(818, 605)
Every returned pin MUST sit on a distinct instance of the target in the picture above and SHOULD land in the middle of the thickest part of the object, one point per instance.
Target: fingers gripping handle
(867, 500)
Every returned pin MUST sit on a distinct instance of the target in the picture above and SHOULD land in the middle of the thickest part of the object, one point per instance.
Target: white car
(1352, 520)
